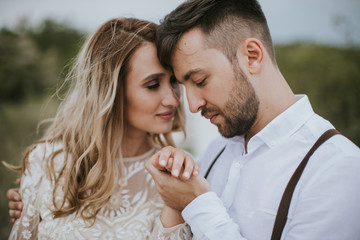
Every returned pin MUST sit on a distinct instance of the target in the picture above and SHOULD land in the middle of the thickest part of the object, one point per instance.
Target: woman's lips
(166, 115)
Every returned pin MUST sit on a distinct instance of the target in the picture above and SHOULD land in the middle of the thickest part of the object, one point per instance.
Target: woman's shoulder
(44, 153)
(44, 150)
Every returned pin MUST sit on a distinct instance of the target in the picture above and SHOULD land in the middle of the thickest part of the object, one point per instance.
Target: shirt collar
(285, 124)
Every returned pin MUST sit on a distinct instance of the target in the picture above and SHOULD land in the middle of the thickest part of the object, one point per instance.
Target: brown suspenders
(283, 209)
(284, 205)
(213, 162)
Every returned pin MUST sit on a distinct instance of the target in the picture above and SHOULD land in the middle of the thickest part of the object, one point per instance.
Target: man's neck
(267, 113)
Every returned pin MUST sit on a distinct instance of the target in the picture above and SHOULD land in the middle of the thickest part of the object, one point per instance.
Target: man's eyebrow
(191, 72)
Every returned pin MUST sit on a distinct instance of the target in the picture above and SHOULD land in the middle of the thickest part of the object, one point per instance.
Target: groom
(223, 53)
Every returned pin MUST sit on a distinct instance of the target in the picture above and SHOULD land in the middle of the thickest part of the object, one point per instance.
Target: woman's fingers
(176, 162)
(190, 167)
(196, 169)
(179, 159)
(165, 154)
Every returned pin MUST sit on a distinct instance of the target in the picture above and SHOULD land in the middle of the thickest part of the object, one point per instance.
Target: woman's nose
(171, 97)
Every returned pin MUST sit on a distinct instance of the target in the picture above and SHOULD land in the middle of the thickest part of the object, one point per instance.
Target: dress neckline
(144, 156)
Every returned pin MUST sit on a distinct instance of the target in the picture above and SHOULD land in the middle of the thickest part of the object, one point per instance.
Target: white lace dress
(132, 212)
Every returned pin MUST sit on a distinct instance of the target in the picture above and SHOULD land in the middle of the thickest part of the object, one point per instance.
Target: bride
(85, 178)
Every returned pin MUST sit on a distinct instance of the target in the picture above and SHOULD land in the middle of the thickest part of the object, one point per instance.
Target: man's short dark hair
(225, 23)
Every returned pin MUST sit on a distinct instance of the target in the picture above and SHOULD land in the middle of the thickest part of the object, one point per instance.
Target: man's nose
(195, 100)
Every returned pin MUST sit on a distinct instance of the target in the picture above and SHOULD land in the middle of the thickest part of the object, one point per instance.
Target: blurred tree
(20, 74)
(33, 61)
(330, 77)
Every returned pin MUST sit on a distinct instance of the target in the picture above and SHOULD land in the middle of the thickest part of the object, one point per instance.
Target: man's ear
(254, 51)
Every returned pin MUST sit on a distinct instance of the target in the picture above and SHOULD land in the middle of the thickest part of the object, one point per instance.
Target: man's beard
(240, 110)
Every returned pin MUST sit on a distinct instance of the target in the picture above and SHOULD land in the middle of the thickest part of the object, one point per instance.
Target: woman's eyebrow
(152, 76)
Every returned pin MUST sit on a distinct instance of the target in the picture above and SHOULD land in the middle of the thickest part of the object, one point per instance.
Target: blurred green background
(34, 61)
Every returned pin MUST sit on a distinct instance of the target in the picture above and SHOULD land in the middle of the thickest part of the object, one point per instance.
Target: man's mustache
(210, 111)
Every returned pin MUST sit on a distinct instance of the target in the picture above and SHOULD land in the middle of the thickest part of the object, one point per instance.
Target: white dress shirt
(247, 188)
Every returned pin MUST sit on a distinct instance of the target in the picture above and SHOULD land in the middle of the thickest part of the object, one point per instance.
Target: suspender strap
(213, 162)
(283, 210)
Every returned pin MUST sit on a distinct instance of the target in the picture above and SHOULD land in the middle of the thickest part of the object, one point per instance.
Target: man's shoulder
(337, 156)
(340, 145)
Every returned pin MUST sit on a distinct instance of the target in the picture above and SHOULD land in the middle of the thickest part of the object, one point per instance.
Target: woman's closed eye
(152, 85)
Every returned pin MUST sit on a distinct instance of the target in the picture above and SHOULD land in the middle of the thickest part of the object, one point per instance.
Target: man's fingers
(161, 178)
(12, 221)
(13, 194)
(154, 159)
(15, 205)
(14, 214)
(18, 181)
(149, 165)
(154, 172)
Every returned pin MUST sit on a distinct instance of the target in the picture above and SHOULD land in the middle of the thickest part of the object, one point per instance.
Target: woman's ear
(254, 51)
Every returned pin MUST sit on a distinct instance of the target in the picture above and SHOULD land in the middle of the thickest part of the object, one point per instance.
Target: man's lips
(211, 116)
(168, 115)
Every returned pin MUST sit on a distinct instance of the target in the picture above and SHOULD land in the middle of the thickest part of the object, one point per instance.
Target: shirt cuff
(208, 217)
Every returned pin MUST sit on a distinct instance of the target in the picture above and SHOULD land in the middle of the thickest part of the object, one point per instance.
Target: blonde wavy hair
(90, 121)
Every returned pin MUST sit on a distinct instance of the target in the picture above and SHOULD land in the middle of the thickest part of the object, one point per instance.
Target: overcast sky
(322, 21)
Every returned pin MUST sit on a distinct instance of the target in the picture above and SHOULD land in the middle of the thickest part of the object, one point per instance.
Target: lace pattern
(131, 213)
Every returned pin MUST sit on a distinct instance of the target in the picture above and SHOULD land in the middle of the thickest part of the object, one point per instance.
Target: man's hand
(176, 193)
(15, 203)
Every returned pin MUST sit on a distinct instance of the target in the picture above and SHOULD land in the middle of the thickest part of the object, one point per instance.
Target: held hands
(176, 162)
(176, 177)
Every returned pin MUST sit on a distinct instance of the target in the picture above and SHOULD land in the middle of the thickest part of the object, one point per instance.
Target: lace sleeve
(178, 232)
(26, 226)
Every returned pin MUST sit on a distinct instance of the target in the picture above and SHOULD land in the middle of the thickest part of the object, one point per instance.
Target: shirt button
(251, 214)
(238, 165)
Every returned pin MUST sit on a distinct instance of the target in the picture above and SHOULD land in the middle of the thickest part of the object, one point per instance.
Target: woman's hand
(175, 161)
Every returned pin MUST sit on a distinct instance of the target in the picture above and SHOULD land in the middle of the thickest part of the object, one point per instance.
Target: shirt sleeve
(26, 226)
(178, 232)
(209, 219)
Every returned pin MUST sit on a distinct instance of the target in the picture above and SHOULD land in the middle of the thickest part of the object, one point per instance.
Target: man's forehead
(188, 55)
(190, 42)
